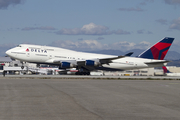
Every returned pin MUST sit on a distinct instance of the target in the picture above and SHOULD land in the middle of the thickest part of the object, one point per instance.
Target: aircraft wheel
(77, 73)
(80, 73)
(22, 67)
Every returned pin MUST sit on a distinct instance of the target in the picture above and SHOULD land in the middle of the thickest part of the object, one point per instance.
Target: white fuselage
(47, 55)
(172, 74)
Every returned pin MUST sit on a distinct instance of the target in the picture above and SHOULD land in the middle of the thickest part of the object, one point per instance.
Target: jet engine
(68, 64)
(92, 62)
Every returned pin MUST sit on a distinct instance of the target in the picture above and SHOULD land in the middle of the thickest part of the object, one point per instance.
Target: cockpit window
(19, 46)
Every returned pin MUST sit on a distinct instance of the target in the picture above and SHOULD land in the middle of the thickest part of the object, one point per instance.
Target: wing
(98, 61)
(88, 62)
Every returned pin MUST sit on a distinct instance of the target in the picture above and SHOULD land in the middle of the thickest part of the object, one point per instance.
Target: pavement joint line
(86, 77)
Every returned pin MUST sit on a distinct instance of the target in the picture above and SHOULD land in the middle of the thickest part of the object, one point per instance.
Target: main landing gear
(82, 73)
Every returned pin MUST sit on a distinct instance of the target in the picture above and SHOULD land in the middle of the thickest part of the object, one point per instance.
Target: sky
(88, 25)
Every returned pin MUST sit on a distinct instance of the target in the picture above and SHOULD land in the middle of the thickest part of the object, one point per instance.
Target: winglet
(159, 50)
(129, 54)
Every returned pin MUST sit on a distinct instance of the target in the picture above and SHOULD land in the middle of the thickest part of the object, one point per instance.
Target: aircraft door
(50, 56)
(28, 54)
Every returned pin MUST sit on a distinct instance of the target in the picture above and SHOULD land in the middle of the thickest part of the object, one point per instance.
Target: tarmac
(90, 77)
(48, 98)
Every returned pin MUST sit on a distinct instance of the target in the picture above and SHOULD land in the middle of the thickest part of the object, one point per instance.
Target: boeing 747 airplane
(86, 62)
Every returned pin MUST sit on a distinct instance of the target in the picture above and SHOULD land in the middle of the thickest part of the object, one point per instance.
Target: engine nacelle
(67, 65)
(92, 62)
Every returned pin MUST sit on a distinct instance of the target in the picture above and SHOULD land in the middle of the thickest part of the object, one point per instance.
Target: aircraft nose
(8, 52)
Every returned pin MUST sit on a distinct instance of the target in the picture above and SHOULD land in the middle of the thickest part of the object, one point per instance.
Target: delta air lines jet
(168, 73)
(86, 62)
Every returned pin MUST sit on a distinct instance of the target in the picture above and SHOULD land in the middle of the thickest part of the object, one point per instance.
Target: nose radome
(8, 52)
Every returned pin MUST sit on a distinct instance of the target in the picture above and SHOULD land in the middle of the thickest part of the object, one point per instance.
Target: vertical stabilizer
(159, 50)
(165, 69)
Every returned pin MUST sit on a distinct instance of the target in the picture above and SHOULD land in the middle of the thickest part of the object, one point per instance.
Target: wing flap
(109, 60)
(82, 62)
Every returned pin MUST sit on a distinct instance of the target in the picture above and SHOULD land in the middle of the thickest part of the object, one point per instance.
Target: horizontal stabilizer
(157, 62)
